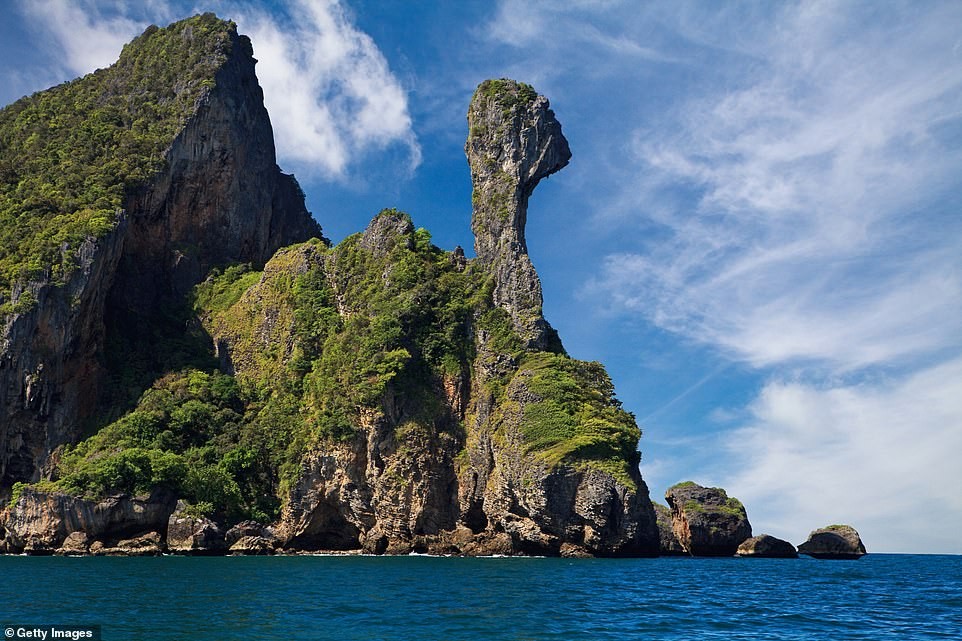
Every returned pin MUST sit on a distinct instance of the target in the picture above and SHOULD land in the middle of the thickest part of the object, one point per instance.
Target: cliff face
(523, 451)
(42, 522)
(423, 424)
(218, 197)
(381, 395)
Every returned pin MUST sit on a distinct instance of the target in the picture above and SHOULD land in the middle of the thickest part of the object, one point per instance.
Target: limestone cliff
(445, 436)
(382, 395)
(216, 197)
(41, 522)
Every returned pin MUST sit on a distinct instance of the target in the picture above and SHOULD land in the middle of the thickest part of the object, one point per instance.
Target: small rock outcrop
(41, 522)
(514, 141)
(193, 535)
(706, 520)
(833, 542)
(764, 546)
(149, 544)
(668, 543)
(250, 538)
(251, 546)
(76, 544)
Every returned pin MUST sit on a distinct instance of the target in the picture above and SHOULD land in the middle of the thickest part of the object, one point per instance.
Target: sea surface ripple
(877, 598)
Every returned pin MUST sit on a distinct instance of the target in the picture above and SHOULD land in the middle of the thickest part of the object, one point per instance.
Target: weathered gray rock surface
(150, 544)
(194, 535)
(41, 522)
(766, 546)
(514, 141)
(706, 520)
(252, 546)
(833, 542)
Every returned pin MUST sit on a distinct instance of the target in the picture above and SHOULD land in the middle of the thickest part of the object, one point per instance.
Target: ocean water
(426, 598)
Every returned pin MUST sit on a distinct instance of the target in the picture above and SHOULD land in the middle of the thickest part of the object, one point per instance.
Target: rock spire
(514, 141)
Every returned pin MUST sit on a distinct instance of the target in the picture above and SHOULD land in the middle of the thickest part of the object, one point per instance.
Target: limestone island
(189, 366)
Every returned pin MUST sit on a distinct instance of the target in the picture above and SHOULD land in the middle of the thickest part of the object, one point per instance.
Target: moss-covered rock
(834, 542)
(706, 521)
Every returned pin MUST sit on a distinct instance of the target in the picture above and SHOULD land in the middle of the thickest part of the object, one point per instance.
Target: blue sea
(426, 598)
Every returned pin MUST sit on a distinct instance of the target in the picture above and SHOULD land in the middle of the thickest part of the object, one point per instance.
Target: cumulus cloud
(882, 456)
(88, 37)
(330, 92)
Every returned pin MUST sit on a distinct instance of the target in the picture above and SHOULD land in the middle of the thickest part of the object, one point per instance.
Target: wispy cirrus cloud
(821, 229)
(817, 221)
(787, 195)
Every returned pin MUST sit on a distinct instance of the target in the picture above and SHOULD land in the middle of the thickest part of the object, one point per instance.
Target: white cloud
(88, 38)
(794, 205)
(550, 27)
(329, 90)
(812, 227)
(882, 457)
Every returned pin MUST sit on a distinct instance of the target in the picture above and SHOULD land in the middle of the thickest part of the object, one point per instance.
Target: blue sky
(759, 234)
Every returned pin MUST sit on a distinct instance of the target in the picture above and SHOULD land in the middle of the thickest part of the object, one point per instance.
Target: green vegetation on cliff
(576, 418)
(70, 155)
(322, 343)
(383, 379)
(192, 432)
(384, 315)
(307, 372)
(507, 93)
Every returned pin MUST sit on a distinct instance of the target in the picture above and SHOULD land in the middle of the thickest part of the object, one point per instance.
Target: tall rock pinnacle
(513, 142)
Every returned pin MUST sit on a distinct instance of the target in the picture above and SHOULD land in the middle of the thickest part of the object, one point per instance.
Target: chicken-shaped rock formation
(514, 141)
